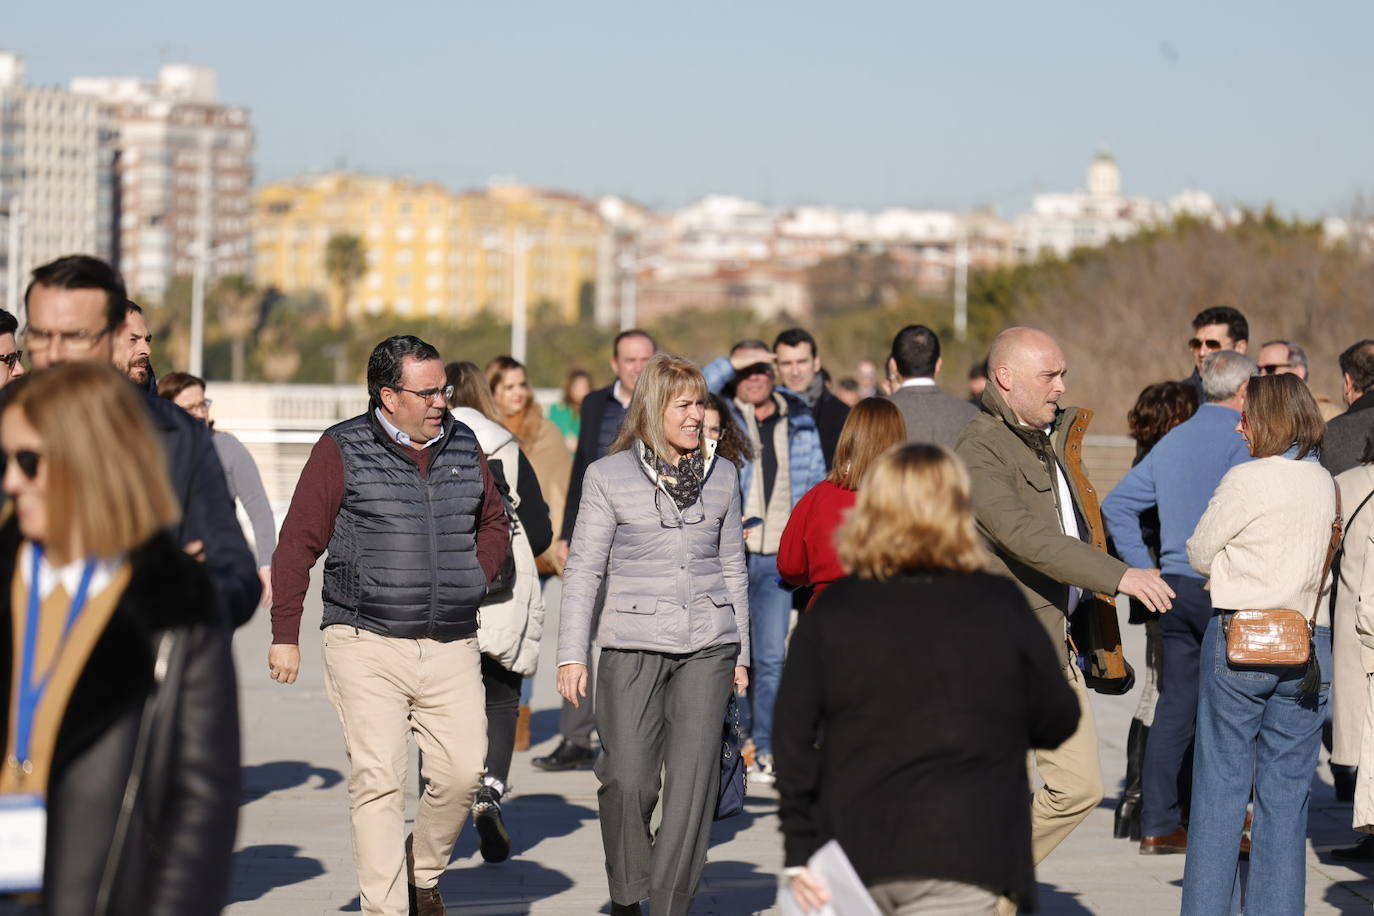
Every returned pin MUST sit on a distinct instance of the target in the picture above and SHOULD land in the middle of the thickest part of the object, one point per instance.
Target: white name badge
(23, 832)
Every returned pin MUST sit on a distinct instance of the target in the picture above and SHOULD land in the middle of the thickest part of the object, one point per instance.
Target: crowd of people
(907, 595)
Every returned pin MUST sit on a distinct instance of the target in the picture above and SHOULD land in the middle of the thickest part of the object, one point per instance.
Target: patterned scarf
(683, 481)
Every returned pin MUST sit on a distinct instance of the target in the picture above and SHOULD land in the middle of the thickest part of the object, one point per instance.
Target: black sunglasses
(1273, 368)
(28, 462)
(9, 359)
(1196, 344)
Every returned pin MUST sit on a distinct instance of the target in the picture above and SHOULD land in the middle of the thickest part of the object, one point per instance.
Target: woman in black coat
(132, 744)
(911, 695)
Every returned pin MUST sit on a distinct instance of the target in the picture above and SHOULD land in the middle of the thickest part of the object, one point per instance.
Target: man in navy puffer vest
(402, 499)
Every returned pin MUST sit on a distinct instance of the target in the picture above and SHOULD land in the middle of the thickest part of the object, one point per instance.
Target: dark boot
(1127, 821)
(567, 756)
(491, 827)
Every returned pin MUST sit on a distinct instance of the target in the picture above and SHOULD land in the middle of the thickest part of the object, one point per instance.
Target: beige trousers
(932, 897)
(1072, 776)
(383, 689)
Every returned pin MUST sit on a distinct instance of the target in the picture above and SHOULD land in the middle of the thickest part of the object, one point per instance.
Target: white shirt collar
(69, 576)
(403, 438)
(615, 393)
(918, 383)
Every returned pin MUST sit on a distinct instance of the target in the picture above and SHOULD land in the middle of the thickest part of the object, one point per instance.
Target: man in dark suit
(603, 411)
(931, 415)
(1346, 434)
(799, 371)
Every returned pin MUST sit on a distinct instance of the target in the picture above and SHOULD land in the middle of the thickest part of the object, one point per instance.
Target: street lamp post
(518, 248)
(202, 263)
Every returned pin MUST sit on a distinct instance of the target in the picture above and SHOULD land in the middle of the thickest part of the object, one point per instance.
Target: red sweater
(309, 525)
(807, 555)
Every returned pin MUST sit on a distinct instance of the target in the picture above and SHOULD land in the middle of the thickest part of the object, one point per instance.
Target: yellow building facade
(430, 251)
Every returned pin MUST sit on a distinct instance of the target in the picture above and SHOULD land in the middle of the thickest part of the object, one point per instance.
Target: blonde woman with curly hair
(943, 677)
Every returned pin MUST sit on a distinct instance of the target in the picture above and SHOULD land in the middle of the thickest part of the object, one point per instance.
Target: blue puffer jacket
(804, 455)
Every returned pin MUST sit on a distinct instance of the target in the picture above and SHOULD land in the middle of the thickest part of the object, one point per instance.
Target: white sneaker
(763, 772)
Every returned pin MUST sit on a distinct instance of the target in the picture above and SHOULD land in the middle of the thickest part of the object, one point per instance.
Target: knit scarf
(681, 481)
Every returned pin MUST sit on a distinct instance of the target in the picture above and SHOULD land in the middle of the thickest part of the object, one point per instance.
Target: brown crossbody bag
(1279, 637)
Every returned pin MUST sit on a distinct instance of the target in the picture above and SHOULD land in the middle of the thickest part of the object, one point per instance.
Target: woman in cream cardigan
(1262, 542)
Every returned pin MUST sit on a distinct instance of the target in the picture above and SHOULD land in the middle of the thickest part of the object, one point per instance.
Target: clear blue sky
(855, 104)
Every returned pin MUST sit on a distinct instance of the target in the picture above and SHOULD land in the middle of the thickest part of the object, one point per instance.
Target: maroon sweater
(309, 525)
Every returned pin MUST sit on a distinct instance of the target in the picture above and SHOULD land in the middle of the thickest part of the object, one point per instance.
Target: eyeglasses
(11, 359)
(430, 394)
(1273, 368)
(1196, 344)
(201, 405)
(40, 339)
(670, 516)
(28, 462)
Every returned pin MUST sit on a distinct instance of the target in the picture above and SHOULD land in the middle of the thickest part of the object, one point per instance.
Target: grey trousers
(660, 714)
(575, 723)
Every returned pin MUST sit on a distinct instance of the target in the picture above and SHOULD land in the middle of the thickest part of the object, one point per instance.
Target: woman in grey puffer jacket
(659, 531)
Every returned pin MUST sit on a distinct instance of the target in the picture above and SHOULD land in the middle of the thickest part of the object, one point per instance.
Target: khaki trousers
(1072, 776)
(384, 688)
(932, 897)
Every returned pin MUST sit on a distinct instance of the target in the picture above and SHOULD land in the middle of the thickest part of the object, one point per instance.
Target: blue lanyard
(31, 693)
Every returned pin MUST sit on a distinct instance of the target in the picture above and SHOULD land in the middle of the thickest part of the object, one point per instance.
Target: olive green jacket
(1016, 504)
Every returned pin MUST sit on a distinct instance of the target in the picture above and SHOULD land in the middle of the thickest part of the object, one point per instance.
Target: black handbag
(734, 781)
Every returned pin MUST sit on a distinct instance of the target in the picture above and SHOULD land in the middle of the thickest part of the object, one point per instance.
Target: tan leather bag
(1278, 637)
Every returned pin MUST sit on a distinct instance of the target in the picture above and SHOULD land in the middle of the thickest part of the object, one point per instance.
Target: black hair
(916, 350)
(795, 337)
(8, 323)
(1235, 322)
(387, 361)
(1357, 361)
(978, 370)
(81, 271)
(751, 343)
(626, 335)
(132, 306)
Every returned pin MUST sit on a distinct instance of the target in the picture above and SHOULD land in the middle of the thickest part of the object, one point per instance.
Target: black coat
(1347, 435)
(903, 719)
(207, 508)
(830, 413)
(177, 855)
(593, 410)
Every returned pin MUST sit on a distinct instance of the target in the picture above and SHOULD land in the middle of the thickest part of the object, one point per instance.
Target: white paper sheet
(848, 896)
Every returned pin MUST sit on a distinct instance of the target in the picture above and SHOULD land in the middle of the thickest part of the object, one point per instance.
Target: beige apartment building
(429, 251)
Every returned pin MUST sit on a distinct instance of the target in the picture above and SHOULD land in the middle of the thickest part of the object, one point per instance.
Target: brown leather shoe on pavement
(1168, 844)
(426, 901)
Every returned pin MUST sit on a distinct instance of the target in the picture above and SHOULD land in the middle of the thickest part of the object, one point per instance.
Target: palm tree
(345, 262)
(240, 311)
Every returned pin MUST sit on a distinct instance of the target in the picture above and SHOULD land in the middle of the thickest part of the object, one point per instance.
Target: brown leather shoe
(426, 901)
(522, 728)
(1165, 845)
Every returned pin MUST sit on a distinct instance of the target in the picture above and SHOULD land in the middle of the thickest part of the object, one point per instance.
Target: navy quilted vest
(403, 558)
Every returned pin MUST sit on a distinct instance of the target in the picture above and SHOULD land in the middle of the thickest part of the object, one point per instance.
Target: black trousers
(503, 706)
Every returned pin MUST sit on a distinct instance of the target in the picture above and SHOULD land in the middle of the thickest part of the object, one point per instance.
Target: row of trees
(1122, 313)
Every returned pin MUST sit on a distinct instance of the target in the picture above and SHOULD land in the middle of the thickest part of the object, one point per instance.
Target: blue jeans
(1254, 727)
(1171, 736)
(770, 610)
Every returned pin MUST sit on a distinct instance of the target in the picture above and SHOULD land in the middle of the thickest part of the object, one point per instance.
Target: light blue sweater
(1179, 476)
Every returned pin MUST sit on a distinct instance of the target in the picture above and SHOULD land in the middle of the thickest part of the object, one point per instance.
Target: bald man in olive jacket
(1031, 510)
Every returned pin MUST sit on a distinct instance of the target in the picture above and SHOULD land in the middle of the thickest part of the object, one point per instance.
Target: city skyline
(930, 108)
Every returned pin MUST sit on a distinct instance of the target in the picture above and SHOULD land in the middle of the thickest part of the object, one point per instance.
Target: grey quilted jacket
(675, 581)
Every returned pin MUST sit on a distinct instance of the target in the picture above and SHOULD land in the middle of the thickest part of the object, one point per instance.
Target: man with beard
(133, 348)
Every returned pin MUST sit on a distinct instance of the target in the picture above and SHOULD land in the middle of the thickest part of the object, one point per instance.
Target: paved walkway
(294, 854)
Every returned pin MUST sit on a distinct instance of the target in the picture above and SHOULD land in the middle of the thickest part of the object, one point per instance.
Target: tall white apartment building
(56, 194)
(183, 176)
